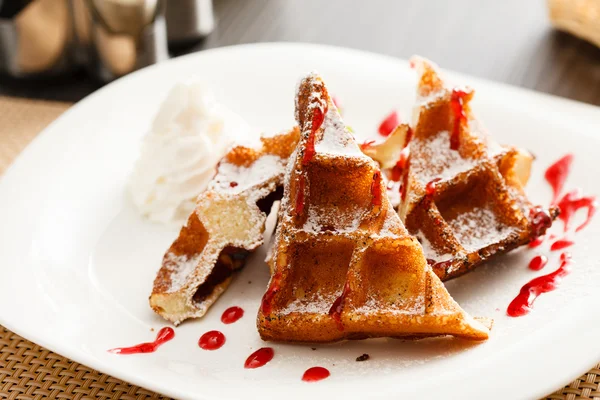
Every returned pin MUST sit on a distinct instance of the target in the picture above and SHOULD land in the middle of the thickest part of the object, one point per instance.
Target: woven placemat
(28, 371)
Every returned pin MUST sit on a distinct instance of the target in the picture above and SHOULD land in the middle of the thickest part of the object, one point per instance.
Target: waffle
(343, 266)
(227, 224)
(464, 197)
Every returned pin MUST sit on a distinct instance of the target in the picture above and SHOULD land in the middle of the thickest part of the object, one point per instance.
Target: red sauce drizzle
(366, 144)
(162, 337)
(259, 358)
(523, 303)
(536, 242)
(456, 102)
(399, 168)
(430, 188)
(233, 184)
(211, 340)
(267, 300)
(300, 194)
(335, 311)
(561, 244)
(232, 314)
(399, 171)
(540, 220)
(376, 189)
(388, 125)
(557, 174)
(317, 121)
(571, 202)
(538, 262)
(441, 264)
(315, 374)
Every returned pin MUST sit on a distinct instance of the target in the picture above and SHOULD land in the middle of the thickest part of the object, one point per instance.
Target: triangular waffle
(227, 224)
(464, 196)
(343, 265)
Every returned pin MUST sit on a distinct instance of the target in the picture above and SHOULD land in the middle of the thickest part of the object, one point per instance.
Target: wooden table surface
(510, 41)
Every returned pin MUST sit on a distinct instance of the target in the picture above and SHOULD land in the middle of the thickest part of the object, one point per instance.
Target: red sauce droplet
(540, 220)
(561, 244)
(335, 311)
(538, 262)
(259, 358)
(376, 196)
(315, 374)
(233, 184)
(430, 188)
(366, 144)
(211, 340)
(557, 175)
(317, 121)
(440, 264)
(571, 202)
(163, 336)
(267, 300)
(536, 242)
(232, 314)
(523, 303)
(456, 102)
(300, 195)
(390, 123)
(401, 165)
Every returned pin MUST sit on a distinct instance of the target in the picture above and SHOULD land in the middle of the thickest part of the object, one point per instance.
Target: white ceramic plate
(77, 262)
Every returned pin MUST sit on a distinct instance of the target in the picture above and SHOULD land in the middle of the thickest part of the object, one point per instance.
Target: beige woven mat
(28, 371)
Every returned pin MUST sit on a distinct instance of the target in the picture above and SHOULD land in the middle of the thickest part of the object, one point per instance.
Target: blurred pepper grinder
(110, 37)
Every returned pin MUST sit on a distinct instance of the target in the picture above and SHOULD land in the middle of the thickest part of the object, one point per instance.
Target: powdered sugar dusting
(263, 169)
(336, 139)
(429, 249)
(479, 228)
(318, 304)
(437, 160)
(180, 269)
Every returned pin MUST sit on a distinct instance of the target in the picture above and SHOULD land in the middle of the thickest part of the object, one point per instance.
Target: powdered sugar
(429, 249)
(180, 269)
(436, 159)
(263, 169)
(479, 228)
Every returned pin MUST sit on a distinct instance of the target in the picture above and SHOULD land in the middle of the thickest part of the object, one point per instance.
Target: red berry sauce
(259, 358)
(388, 125)
(561, 244)
(557, 175)
(456, 102)
(571, 202)
(211, 340)
(430, 188)
(376, 195)
(538, 262)
(315, 374)
(523, 303)
(299, 208)
(267, 300)
(335, 311)
(163, 336)
(232, 314)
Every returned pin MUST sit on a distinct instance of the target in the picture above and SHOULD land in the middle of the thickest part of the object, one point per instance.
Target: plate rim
(122, 373)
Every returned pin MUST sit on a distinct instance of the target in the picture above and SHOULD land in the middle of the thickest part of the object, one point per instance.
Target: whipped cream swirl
(190, 134)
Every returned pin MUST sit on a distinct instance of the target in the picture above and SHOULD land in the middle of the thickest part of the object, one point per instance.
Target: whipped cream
(190, 134)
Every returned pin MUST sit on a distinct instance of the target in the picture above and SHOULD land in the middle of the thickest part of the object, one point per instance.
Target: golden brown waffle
(464, 198)
(227, 224)
(343, 265)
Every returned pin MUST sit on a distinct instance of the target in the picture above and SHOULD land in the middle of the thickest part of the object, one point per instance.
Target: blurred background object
(110, 38)
(579, 17)
(510, 41)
